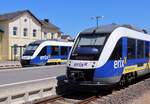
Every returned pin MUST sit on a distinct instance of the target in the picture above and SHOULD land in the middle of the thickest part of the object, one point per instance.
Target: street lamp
(97, 18)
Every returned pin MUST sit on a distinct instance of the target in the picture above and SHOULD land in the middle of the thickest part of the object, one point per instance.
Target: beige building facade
(49, 30)
(18, 29)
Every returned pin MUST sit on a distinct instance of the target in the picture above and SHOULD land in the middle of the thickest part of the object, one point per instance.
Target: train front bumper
(25, 62)
(87, 77)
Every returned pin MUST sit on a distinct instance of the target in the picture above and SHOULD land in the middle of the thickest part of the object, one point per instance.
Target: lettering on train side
(118, 64)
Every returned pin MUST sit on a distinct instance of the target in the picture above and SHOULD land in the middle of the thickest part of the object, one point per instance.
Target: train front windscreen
(30, 49)
(88, 46)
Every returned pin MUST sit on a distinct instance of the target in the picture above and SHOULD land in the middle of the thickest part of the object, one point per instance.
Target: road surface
(30, 73)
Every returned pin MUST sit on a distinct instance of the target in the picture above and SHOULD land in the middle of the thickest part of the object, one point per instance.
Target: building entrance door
(0, 46)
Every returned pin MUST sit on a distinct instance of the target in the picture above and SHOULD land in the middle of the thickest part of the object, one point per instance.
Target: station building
(18, 29)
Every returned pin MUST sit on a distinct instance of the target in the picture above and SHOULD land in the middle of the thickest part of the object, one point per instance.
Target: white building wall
(25, 21)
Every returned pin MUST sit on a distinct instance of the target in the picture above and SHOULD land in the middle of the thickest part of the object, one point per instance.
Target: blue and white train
(46, 51)
(108, 55)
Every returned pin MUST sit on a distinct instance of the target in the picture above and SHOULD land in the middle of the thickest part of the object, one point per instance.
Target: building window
(25, 31)
(15, 31)
(34, 32)
(52, 35)
(45, 35)
(25, 20)
(131, 46)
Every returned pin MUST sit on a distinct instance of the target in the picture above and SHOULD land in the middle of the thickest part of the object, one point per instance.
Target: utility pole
(97, 19)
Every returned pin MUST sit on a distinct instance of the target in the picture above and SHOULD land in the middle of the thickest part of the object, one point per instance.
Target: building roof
(49, 25)
(12, 15)
(109, 28)
(66, 36)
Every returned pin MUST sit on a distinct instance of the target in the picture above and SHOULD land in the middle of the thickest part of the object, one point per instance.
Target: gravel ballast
(127, 95)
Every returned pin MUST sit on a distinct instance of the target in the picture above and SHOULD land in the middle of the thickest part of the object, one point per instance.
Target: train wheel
(127, 79)
(122, 81)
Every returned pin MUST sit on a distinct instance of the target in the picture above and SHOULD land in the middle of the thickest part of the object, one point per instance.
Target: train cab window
(43, 52)
(117, 52)
(140, 49)
(131, 46)
(64, 51)
(55, 51)
(146, 49)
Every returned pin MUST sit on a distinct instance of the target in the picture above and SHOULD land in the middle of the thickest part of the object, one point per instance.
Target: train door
(117, 53)
(42, 56)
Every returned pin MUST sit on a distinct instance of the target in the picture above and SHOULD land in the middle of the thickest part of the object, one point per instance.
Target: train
(108, 55)
(43, 52)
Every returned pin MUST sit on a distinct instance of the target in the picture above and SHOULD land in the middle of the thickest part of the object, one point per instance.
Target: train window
(117, 52)
(55, 51)
(131, 46)
(43, 52)
(146, 49)
(64, 51)
(140, 49)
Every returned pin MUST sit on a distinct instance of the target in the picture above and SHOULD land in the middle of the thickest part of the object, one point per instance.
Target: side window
(34, 32)
(15, 30)
(117, 52)
(55, 50)
(43, 52)
(131, 46)
(25, 31)
(146, 49)
(140, 49)
(64, 51)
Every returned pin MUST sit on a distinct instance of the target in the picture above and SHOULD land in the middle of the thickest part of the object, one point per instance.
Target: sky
(72, 16)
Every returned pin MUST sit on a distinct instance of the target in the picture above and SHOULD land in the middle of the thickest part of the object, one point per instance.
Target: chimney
(46, 20)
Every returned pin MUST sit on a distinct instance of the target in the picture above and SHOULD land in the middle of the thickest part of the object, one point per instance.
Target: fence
(16, 52)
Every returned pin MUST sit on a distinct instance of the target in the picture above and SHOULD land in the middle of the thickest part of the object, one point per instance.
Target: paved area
(144, 99)
(30, 73)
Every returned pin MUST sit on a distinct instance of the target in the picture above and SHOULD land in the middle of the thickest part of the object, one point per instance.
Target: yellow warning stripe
(134, 68)
(57, 60)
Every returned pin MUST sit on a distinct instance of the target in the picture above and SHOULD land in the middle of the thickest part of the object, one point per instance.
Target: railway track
(62, 100)
(107, 96)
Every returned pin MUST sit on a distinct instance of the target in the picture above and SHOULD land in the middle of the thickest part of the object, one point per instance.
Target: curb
(9, 66)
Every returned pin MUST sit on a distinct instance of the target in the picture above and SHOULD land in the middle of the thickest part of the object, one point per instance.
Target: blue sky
(72, 16)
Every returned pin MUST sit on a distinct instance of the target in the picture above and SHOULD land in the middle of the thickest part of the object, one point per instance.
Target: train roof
(110, 28)
(52, 40)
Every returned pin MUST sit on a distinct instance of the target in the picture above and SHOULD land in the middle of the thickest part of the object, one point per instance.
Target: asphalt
(30, 73)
